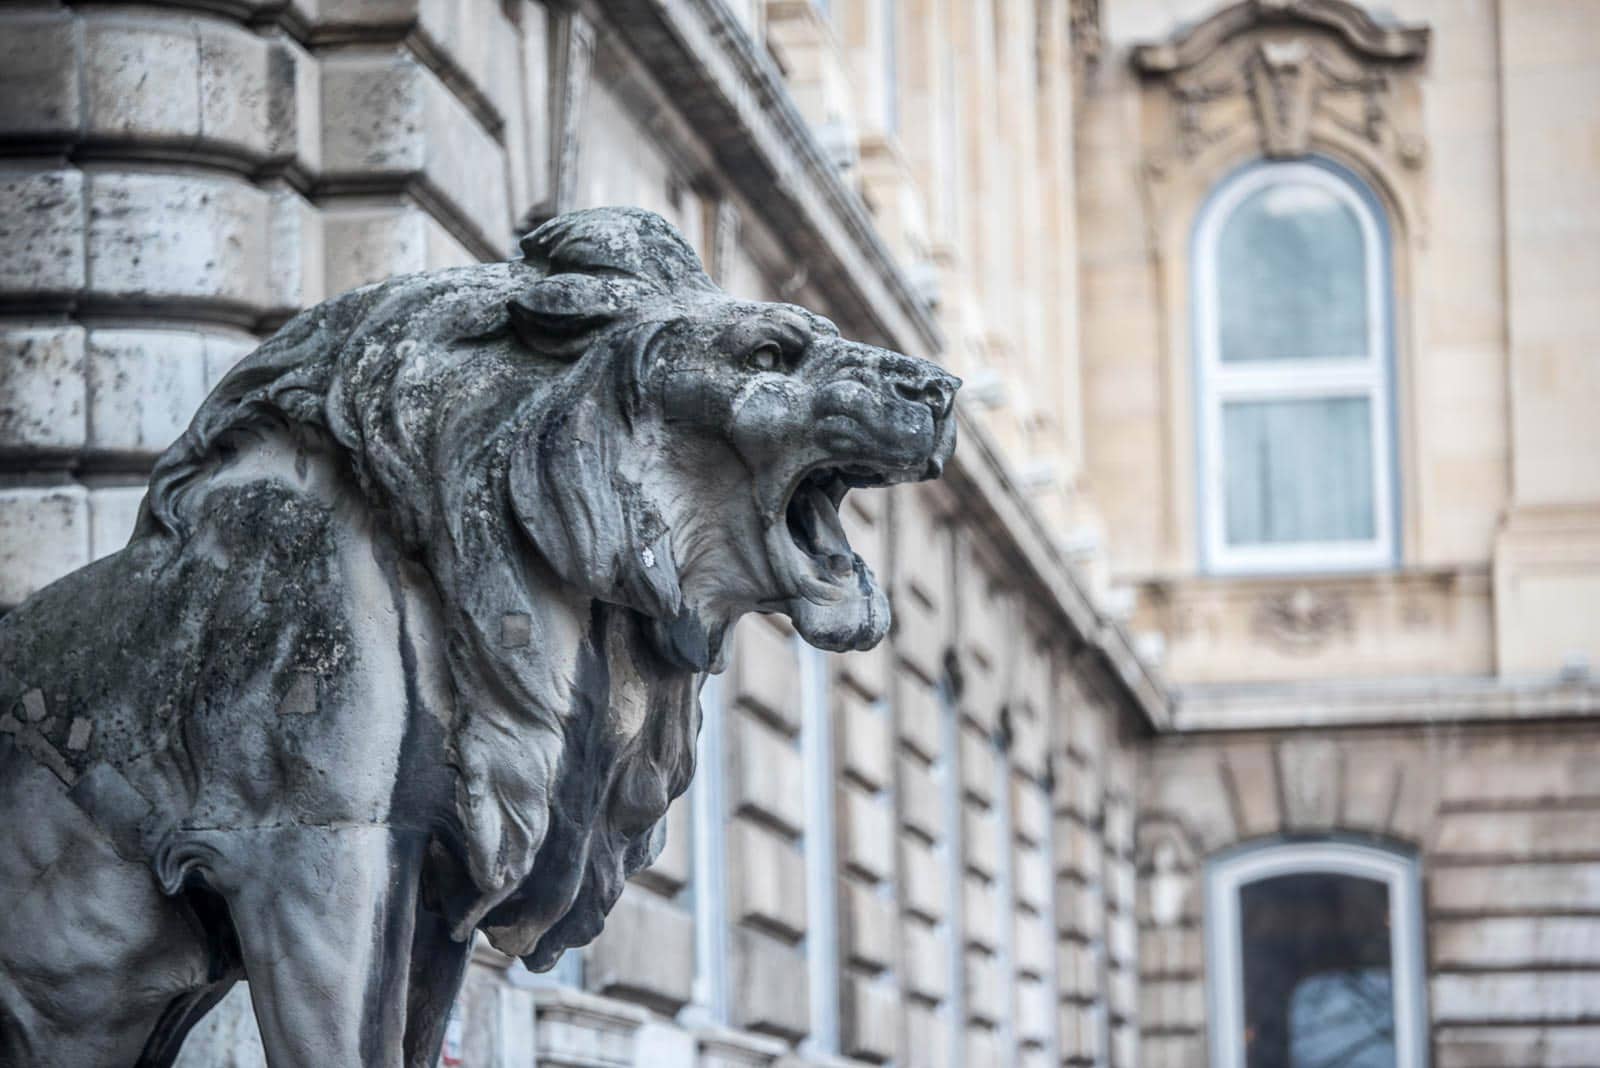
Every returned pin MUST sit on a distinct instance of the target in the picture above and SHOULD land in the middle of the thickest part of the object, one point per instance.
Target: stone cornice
(1381, 703)
(1372, 40)
(734, 96)
(994, 503)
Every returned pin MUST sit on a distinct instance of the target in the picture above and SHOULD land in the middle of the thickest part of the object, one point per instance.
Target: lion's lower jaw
(856, 623)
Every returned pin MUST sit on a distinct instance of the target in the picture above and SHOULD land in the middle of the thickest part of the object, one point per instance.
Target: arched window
(1292, 320)
(1314, 958)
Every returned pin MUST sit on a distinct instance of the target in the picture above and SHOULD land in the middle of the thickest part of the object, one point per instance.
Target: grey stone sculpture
(408, 640)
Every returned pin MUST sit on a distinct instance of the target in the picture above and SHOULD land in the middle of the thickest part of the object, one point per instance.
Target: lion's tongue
(814, 526)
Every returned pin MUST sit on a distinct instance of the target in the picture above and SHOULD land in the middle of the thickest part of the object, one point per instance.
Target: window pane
(1291, 277)
(1298, 470)
(1317, 986)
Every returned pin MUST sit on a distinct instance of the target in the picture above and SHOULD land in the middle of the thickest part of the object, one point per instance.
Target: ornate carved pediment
(1285, 66)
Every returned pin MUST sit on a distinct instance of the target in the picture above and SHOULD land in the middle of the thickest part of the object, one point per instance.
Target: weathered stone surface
(865, 745)
(365, 244)
(42, 388)
(179, 237)
(39, 86)
(866, 833)
(769, 990)
(646, 952)
(869, 1019)
(767, 776)
(407, 641)
(767, 881)
(44, 534)
(41, 228)
(143, 385)
(866, 926)
(927, 961)
(385, 117)
(923, 884)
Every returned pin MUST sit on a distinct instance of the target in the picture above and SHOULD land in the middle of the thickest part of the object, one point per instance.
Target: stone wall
(1504, 826)
(1462, 136)
(921, 855)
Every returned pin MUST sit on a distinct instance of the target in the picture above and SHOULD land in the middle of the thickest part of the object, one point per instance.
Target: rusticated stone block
(42, 393)
(767, 881)
(39, 69)
(41, 229)
(980, 917)
(770, 989)
(927, 961)
(1032, 944)
(370, 243)
(298, 277)
(258, 96)
(983, 1047)
(44, 533)
(388, 118)
(929, 1044)
(221, 351)
(1035, 1011)
(646, 952)
(765, 673)
(159, 237)
(864, 743)
(766, 775)
(144, 385)
(980, 772)
(1565, 1046)
(1525, 997)
(980, 840)
(113, 511)
(866, 921)
(918, 714)
(866, 833)
(1031, 876)
(1030, 811)
(921, 804)
(1252, 774)
(987, 988)
(142, 77)
(869, 1019)
(923, 884)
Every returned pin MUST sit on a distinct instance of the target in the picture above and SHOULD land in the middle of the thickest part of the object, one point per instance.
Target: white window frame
(1228, 875)
(1367, 377)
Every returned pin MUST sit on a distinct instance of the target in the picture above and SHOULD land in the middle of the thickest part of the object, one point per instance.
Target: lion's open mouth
(811, 553)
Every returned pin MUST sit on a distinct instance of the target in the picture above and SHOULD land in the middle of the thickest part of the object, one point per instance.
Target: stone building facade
(1032, 827)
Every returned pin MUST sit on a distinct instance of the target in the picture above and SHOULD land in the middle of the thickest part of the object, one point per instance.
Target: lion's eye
(766, 356)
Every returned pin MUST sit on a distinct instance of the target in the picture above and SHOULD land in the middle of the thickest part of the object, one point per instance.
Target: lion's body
(188, 706)
(408, 641)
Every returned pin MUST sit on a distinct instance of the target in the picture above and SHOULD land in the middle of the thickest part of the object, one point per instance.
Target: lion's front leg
(325, 921)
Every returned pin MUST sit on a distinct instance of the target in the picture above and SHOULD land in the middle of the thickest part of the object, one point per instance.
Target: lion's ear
(557, 316)
(595, 529)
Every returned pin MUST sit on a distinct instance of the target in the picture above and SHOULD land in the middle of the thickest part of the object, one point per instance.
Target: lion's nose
(937, 390)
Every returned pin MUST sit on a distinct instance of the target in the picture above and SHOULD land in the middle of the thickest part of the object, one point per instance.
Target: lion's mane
(498, 466)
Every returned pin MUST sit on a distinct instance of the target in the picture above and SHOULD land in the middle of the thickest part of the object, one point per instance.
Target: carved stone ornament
(1302, 620)
(1291, 63)
(408, 641)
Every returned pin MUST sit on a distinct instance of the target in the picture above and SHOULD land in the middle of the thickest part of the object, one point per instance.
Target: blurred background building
(1240, 706)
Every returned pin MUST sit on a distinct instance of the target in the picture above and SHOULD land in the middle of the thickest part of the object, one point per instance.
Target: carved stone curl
(408, 642)
(1286, 65)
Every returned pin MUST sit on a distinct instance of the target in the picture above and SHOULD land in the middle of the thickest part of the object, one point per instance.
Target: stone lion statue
(408, 640)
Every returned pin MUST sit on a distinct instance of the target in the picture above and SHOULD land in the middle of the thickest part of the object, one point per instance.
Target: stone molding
(1299, 63)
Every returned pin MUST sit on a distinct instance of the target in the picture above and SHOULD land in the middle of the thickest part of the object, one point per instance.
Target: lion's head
(707, 483)
(593, 445)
